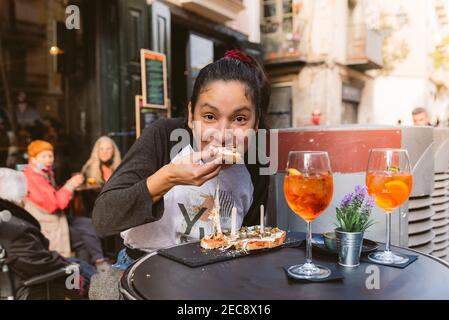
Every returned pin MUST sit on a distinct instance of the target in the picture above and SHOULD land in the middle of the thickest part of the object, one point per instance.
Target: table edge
(127, 275)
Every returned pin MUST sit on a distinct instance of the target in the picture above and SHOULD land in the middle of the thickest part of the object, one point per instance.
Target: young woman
(156, 200)
(46, 203)
(103, 161)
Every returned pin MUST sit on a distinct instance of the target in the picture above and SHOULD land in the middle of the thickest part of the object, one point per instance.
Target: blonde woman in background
(103, 161)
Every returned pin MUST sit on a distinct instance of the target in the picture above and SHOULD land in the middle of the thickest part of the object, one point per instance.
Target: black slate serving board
(193, 255)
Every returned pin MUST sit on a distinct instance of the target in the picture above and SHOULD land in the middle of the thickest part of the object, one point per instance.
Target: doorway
(280, 109)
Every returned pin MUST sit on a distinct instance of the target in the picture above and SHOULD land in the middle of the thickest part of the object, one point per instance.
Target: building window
(282, 29)
(201, 53)
(351, 97)
(269, 9)
(287, 7)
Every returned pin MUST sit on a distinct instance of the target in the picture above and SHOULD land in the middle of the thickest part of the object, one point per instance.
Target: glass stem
(387, 246)
(309, 243)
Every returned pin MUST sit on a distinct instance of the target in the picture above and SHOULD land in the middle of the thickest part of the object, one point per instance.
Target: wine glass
(389, 179)
(308, 189)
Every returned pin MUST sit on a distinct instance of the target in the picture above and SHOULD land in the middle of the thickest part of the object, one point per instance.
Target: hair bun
(239, 55)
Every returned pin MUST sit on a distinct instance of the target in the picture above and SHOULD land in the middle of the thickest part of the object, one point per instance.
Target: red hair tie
(239, 55)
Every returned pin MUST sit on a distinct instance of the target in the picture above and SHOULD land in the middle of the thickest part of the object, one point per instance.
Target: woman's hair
(91, 168)
(13, 185)
(237, 66)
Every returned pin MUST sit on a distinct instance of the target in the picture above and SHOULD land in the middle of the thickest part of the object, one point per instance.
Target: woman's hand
(186, 171)
(189, 171)
(76, 181)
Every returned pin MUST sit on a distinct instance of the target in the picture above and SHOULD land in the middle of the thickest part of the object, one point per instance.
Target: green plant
(353, 214)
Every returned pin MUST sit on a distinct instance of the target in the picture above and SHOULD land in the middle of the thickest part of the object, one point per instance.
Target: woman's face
(223, 115)
(44, 158)
(105, 151)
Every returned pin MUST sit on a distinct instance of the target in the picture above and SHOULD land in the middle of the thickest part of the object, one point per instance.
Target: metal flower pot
(349, 247)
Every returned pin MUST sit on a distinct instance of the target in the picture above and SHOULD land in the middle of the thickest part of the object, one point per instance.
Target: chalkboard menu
(144, 116)
(154, 79)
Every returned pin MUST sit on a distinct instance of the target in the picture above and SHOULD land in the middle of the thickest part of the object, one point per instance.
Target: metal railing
(363, 44)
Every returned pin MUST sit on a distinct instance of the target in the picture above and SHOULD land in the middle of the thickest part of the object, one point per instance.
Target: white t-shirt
(186, 209)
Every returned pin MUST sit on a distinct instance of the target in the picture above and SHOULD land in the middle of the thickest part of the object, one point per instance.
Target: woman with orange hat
(46, 203)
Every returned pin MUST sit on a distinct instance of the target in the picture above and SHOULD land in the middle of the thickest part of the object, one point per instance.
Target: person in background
(103, 161)
(316, 117)
(53, 132)
(438, 123)
(421, 117)
(26, 247)
(46, 203)
(26, 117)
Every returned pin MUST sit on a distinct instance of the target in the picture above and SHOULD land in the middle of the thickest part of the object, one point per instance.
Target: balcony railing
(284, 46)
(364, 48)
(217, 10)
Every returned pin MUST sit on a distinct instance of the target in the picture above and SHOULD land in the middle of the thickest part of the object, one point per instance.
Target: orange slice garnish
(385, 203)
(294, 172)
(398, 191)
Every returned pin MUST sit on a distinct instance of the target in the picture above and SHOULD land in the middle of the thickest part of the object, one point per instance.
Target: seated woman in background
(46, 203)
(103, 161)
(27, 253)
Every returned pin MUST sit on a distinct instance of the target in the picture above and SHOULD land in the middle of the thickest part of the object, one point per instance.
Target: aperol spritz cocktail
(308, 189)
(390, 190)
(308, 196)
(389, 180)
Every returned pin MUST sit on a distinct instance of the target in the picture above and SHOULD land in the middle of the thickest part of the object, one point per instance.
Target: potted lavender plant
(353, 219)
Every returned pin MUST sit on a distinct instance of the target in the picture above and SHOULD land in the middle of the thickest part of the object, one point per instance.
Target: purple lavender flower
(370, 201)
(360, 198)
(353, 215)
(346, 201)
(360, 192)
(369, 204)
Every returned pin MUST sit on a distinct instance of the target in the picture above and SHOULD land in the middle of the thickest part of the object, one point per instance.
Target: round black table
(261, 276)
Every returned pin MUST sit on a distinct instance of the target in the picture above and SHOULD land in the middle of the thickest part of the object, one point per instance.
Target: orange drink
(390, 191)
(91, 182)
(308, 196)
(308, 190)
(389, 179)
